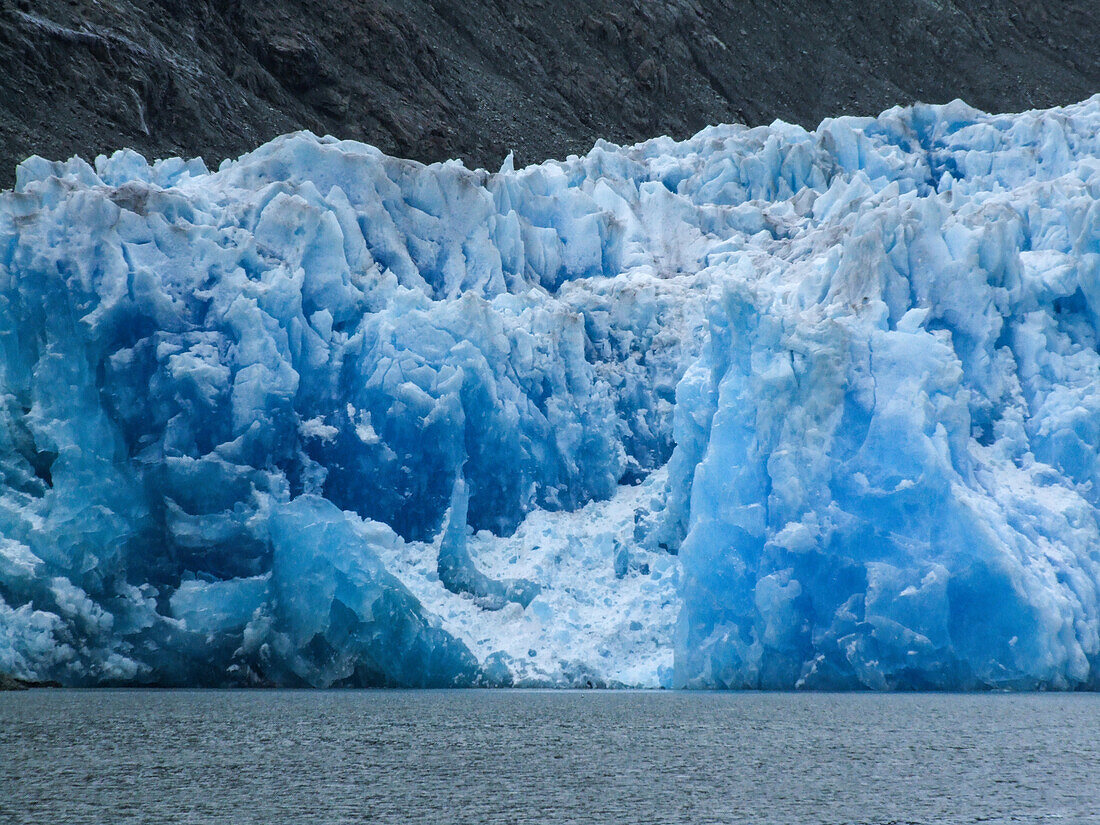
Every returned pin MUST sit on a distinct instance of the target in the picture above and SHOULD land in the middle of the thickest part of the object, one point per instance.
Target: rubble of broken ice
(764, 408)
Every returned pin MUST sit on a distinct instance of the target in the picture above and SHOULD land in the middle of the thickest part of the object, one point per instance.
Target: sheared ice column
(765, 408)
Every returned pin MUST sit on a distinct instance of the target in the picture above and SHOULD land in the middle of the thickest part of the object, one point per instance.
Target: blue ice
(259, 424)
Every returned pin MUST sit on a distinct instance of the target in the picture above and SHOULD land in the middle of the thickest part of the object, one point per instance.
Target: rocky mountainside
(431, 79)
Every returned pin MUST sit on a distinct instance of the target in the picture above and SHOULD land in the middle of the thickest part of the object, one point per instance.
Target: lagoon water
(73, 757)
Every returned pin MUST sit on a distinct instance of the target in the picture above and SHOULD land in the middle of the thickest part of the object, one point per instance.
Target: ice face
(764, 408)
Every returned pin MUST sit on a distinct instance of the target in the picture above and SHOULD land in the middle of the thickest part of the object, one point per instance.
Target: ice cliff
(765, 408)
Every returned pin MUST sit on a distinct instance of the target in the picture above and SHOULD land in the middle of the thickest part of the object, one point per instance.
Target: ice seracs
(764, 408)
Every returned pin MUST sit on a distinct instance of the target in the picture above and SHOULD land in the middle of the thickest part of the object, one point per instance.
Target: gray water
(70, 757)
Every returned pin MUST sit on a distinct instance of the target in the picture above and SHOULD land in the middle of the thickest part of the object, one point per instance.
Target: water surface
(73, 757)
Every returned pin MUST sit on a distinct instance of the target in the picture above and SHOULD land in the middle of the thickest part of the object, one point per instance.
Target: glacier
(765, 408)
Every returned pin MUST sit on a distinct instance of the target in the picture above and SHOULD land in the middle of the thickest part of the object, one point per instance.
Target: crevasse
(764, 408)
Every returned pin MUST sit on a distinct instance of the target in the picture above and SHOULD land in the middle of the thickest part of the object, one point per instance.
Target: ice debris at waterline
(765, 408)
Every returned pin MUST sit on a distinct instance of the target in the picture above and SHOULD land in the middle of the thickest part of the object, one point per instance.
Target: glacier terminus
(766, 408)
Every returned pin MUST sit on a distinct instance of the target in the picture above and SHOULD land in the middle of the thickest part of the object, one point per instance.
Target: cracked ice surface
(764, 408)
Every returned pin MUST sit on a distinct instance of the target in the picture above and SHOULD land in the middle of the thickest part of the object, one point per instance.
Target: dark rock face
(8, 683)
(431, 79)
(11, 683)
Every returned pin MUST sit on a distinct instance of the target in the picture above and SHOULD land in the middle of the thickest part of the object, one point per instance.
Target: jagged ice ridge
(764, 408)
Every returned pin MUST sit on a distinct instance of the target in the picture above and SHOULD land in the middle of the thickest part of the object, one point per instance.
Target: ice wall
(765, 408)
